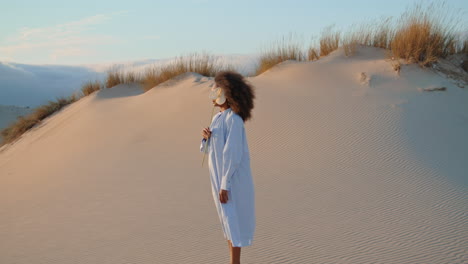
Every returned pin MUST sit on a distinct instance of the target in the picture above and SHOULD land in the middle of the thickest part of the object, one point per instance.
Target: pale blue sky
(84, 31)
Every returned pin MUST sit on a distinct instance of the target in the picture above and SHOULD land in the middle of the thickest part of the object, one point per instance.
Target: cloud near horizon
(61, 40)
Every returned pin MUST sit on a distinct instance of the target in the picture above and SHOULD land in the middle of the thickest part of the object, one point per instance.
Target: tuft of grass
(313, 53)
(116, 76)
(201, 63)
(15, 130)
(329, 41)
(90, 87)
(422, 34)
(46, 110)
(287, 48)
(425, 34)
(349, 48)
(131, 77)
(382, 34)
(374, 34)
(24, 123)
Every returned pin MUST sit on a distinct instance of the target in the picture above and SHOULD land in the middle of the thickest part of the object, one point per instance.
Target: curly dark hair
(239, 93)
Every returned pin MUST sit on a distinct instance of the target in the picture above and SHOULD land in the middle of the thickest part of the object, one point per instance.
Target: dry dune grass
(425, 34)
(90, 87)
(329, 41)
(116, 77)
(24, 123)
(421, 35)
(313, 54)
(375, 34)
(201, 63)
(287, 48)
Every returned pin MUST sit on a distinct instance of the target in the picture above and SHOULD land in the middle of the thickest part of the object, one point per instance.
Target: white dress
(229, 166)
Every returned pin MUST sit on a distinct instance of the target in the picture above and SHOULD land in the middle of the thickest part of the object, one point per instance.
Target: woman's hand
(206, 133)
(223, 196)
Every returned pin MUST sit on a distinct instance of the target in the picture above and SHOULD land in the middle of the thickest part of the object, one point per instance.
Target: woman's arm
(206, 133)
(233, 149)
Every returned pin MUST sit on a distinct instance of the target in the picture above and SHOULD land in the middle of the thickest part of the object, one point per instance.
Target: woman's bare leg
(235, 253)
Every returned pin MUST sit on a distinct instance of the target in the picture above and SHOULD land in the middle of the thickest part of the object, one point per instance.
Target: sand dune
(352, 163)
(34, 85)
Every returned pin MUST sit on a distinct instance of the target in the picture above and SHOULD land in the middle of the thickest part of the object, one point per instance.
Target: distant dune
(33, 85)
(24, 87)
(352, 163)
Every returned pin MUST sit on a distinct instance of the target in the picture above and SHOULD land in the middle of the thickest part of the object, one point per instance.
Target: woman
(229, 161)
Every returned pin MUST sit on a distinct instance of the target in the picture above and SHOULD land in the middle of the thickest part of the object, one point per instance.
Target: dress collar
(225, 110)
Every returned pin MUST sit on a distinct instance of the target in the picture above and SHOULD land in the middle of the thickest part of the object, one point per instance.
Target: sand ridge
(344, 171)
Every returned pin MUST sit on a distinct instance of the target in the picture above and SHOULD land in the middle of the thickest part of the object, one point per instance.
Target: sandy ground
(352, 163)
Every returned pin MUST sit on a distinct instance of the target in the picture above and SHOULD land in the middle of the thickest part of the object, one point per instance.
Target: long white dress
(229, 166)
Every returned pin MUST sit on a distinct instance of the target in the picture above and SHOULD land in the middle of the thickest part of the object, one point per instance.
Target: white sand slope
(346, 169)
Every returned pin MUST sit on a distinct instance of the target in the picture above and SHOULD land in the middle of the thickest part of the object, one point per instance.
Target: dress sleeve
(233, 150)
(202, 145)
